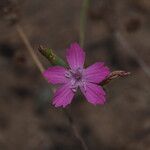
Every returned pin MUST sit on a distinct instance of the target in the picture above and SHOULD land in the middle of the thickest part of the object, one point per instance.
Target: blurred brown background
(117, 32)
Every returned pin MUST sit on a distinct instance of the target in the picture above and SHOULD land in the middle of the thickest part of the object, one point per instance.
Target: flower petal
(63, 96)
(94, 93)
(55, 75)
(96, 72)
(75, 56)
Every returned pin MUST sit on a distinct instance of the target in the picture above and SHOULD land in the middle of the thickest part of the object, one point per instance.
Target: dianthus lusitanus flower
(76, 76)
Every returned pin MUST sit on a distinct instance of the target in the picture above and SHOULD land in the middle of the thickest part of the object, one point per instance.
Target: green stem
(83, 18)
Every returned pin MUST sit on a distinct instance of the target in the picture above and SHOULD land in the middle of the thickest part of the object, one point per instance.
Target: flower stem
(83, 18)
(29, 47)
(75, 130)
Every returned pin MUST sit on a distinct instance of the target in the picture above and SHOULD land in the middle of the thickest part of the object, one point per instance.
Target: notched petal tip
(46, 74)
(74, 44)
(55, 75)
(63, 96)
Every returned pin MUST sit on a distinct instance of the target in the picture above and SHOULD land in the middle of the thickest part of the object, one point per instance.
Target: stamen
(84, 85)
(73, 82)
(74, 89)
(67, 74)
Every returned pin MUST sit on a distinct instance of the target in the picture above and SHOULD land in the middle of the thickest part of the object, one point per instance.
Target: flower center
(74, 74)
(76, 78)
(77, 75)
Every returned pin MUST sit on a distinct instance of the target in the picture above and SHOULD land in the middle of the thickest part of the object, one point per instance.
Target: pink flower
(77, 76)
